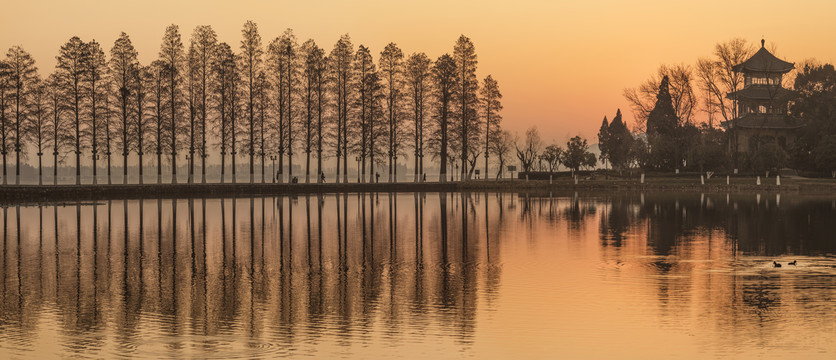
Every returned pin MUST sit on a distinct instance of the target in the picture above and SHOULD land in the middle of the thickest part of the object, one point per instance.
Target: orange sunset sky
(561, 66)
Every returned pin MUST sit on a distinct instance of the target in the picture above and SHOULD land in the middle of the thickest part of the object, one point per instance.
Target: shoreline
(40, 193)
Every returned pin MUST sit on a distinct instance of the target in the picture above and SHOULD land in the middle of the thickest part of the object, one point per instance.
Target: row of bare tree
(263, 101)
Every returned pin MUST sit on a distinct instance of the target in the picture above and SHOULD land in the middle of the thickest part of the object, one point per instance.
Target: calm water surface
(425, 275)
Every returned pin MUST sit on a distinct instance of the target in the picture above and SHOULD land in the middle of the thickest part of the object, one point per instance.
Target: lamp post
(273, 168)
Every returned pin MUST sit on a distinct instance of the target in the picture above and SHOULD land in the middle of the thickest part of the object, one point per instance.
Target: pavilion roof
(764, 61)
(763, 121)
(761, 92)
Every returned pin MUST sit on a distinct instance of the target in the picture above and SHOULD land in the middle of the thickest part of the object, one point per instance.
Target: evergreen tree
(619, 142)
(662, 131)
(604, 140)
(814, 104)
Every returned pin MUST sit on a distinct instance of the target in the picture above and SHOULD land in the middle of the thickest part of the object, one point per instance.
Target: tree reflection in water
(273, 273)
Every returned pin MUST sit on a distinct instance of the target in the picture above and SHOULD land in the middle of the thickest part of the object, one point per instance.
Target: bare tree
(321, 88)
(276, 69)
(250, 56)
(501, 147)
(363, 69)
(70, 70)
(96, 80)
(552, 155)
(312, 56)
(171, 54)
(5, 132)
(643, 98)
(262, 108)
(225, 88)
(528, 149)
(202, 49)
(107, 124)
(22, 80)
(417, 77)
(143, 82)
(717, 77)
(313, 88)
(192, 95)
(392, 72)
(57, 125)
(491, 104)
(159, 72)
(376, 121)
(341, 58)
(123, 64)
(466, 100)
(285, 68)
(444, 83)
(37, 129)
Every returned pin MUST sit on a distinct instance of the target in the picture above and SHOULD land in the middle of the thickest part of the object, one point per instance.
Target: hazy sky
(560, 66)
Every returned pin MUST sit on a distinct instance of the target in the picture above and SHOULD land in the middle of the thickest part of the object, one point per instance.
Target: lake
(423, 275)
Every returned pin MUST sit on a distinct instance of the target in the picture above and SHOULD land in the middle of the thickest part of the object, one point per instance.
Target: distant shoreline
(40, 193)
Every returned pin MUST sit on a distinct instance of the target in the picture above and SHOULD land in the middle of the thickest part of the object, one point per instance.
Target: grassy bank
(34, 193)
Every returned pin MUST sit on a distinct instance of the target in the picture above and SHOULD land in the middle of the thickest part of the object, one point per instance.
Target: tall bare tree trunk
(17, 164)
(55, 168)
(140, 166)
(159, 167)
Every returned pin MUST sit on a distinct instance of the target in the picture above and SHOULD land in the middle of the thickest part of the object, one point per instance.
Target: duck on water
(777, 265)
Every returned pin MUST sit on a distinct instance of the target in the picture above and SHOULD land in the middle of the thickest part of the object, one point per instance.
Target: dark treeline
(278, 99)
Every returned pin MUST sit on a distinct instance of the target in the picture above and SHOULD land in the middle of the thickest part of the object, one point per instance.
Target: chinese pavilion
(761, 105)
